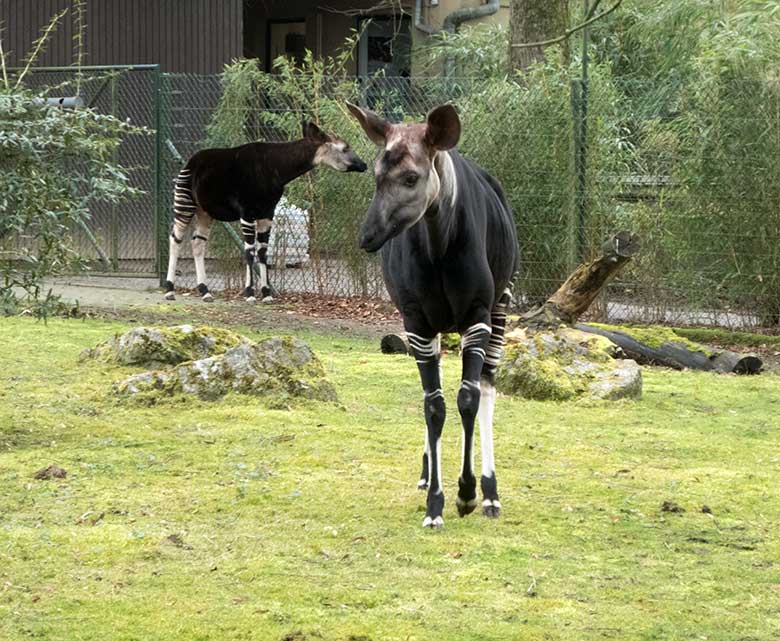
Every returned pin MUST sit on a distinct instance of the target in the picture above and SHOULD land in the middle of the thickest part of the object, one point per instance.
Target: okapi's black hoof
(466, 506)
(205, 294)
(249, 295)
(422, 484)
(433, 523)
(170, 294)
(491, 508)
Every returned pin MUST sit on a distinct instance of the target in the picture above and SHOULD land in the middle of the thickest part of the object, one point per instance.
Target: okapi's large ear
(442, 130)
(312, 131)
(375, 126)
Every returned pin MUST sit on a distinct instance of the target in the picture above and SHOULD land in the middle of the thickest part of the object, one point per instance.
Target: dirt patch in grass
(50, 472)
(353, 317)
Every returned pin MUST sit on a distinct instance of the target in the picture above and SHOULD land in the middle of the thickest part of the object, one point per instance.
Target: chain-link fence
(692, 168)
(689, 167)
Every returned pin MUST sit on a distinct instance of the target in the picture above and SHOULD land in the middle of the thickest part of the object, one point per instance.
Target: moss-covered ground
(227, 520)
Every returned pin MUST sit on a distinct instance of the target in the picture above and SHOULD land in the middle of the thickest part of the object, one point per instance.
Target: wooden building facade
(186, 36)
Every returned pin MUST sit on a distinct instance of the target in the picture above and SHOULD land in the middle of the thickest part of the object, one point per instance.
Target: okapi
(449, 251)
(245, 183)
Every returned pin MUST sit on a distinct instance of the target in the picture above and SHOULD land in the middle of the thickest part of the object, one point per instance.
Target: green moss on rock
(655, 336)
(164, 345)
(565, 364)
(450, 342)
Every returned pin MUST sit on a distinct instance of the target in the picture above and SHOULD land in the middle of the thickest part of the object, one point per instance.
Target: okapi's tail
(183, 204)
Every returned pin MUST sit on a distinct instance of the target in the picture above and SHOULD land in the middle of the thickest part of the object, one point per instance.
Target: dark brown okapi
(449, 252)
(245, 183)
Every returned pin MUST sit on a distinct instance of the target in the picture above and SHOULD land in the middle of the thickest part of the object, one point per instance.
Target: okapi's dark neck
(441, 216)
(286, 161)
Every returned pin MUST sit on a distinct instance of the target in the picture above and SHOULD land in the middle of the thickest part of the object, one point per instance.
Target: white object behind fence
(288, 245)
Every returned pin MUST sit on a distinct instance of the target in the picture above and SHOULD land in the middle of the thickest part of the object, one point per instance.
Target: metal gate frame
(108, 257)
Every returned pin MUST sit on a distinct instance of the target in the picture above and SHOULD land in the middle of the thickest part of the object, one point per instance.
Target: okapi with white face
(245, 183)
(449, 252)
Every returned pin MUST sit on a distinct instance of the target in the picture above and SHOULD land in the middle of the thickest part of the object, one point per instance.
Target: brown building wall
(192, 36)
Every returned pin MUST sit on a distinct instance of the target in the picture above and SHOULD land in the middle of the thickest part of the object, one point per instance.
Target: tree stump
(574, 297)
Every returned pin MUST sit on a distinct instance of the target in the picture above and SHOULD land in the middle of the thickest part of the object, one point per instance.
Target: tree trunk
(535, 21)
(574, 297)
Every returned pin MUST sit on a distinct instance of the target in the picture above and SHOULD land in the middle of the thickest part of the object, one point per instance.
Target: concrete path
(111, 292)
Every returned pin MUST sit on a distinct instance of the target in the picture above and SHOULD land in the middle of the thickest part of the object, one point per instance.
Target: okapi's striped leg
(200, 240)
(263, 228)
(491, 506)
(250, 248)
(474, 342)
(183, 211)
(426, 353)
(422, 484)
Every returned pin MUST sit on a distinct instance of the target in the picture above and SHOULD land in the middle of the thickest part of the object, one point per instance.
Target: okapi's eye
(410, 180)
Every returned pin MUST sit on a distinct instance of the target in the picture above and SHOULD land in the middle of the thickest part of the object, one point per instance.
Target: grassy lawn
(228, 520)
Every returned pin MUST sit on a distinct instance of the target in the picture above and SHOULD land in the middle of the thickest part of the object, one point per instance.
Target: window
(385, 46)
(286, 38)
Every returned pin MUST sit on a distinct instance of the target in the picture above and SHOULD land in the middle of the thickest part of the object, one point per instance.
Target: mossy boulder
(209, 362)
(164, 345)
(566, 364)
(277, 368)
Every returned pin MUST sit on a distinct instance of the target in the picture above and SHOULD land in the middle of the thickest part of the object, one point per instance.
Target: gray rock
(625, 381)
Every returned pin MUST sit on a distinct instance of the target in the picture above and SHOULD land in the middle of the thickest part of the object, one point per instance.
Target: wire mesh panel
(117, 238)
(691, 168)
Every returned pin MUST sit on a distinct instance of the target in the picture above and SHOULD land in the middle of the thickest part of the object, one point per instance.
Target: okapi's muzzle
(356, 164)
(376, 230)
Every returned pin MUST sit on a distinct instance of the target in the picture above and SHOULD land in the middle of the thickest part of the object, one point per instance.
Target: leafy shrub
(54, 163)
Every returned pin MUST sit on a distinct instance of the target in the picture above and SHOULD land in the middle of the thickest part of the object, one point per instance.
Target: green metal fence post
(581, 149)
(574, 184)
(159, 197)
(114, 211)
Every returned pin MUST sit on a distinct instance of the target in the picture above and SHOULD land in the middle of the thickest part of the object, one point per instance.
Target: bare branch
(382, 5)
(77, 17)
(2, 60)
(568, 32)
(592, 10)
(40, 44)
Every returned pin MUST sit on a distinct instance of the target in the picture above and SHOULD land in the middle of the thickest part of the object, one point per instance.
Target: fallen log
(394, 344)
(670, 350)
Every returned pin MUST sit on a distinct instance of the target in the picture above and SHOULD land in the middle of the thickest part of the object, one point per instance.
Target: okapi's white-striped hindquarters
(183, 210)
